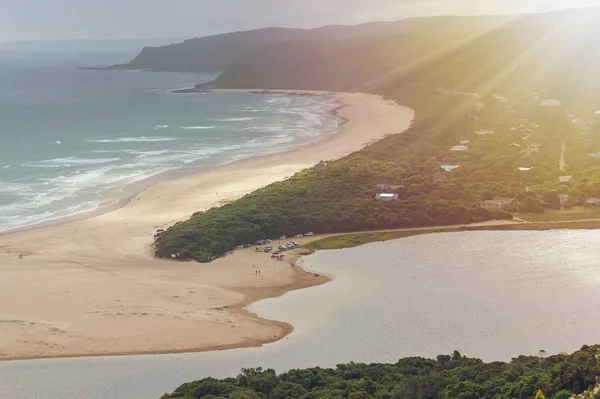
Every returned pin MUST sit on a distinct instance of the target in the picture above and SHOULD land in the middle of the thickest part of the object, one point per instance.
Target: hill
(533, 52)
(218, 52)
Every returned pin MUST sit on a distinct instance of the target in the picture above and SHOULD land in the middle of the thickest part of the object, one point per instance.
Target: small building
(564, 179)
(551, 103)
(501, 99)
(580, 122)
(448, 168)
(390, 186)
(500, 203)
(524, 169)
(484, 132)
(595, 155)
(592, 201)
(465, 142)
(459, 148)
(386, 196)
(439, 177)
(535, 147)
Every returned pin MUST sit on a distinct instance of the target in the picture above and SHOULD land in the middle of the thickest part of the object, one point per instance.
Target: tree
(552, 198)
(564, 394)
(531, 205)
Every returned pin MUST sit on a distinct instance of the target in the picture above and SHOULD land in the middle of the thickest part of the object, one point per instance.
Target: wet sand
(92, 287)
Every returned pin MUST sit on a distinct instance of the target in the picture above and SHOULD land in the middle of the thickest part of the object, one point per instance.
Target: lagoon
(490, 294)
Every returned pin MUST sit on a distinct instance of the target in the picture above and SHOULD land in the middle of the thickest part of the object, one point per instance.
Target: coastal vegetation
(519, 160)
(447, 377)
(481, 135)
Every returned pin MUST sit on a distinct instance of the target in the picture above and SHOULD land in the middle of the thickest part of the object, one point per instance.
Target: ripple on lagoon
(490, 294)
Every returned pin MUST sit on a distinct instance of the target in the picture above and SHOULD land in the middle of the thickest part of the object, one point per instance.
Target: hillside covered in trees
(459, 81)
(218, 52)
(447, 377)
(532, 52)
(519, 160)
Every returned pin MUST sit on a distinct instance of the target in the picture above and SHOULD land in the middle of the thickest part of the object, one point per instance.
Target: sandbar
(93, 288)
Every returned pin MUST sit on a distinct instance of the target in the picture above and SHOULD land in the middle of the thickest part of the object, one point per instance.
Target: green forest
(339, 196)
(446, 377)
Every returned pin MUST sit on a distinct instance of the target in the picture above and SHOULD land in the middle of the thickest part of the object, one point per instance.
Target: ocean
(74, 140)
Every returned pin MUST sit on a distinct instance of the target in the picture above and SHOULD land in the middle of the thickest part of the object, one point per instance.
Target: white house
(564, 179)
(592, 201)
(448, 168)
(459, 148)
(551, 103)
(579, 122)
(386, 196)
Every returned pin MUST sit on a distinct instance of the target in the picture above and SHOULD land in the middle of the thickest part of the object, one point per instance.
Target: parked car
(295, 243)
(268, 241)
(270, 248)
(281, 247)
(309, 234)
(299, 236)
(240, 247)
(283, 237)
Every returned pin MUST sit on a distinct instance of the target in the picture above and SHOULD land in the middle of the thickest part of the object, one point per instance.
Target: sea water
(72, 140)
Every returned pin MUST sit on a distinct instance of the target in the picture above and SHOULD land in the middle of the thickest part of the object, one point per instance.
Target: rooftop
(551, 102)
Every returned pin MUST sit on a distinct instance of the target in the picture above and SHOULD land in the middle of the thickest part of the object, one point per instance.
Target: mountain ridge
(218, 52)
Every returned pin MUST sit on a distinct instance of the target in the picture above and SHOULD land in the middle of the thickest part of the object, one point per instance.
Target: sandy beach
(92, 287)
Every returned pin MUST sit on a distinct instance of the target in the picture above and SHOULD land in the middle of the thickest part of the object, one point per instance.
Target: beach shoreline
(92, 287)
(130, 191)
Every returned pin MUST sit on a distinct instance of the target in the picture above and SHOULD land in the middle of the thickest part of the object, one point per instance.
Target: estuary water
(489, 294)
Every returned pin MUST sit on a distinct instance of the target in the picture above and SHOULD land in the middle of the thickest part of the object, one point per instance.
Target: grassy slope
(575, 213)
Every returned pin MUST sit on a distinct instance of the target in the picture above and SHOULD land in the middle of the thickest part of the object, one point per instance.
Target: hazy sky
(85, 19)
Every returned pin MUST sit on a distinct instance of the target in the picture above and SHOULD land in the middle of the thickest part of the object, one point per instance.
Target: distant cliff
(217, 53)
(207, 54)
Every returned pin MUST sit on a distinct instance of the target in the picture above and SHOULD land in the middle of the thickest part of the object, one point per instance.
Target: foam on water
(244, 119)
(198, 127)
(134, 140)
(59, 162)
(94, 166)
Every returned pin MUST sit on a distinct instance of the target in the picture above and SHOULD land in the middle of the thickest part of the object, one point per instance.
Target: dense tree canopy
(447, 377)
